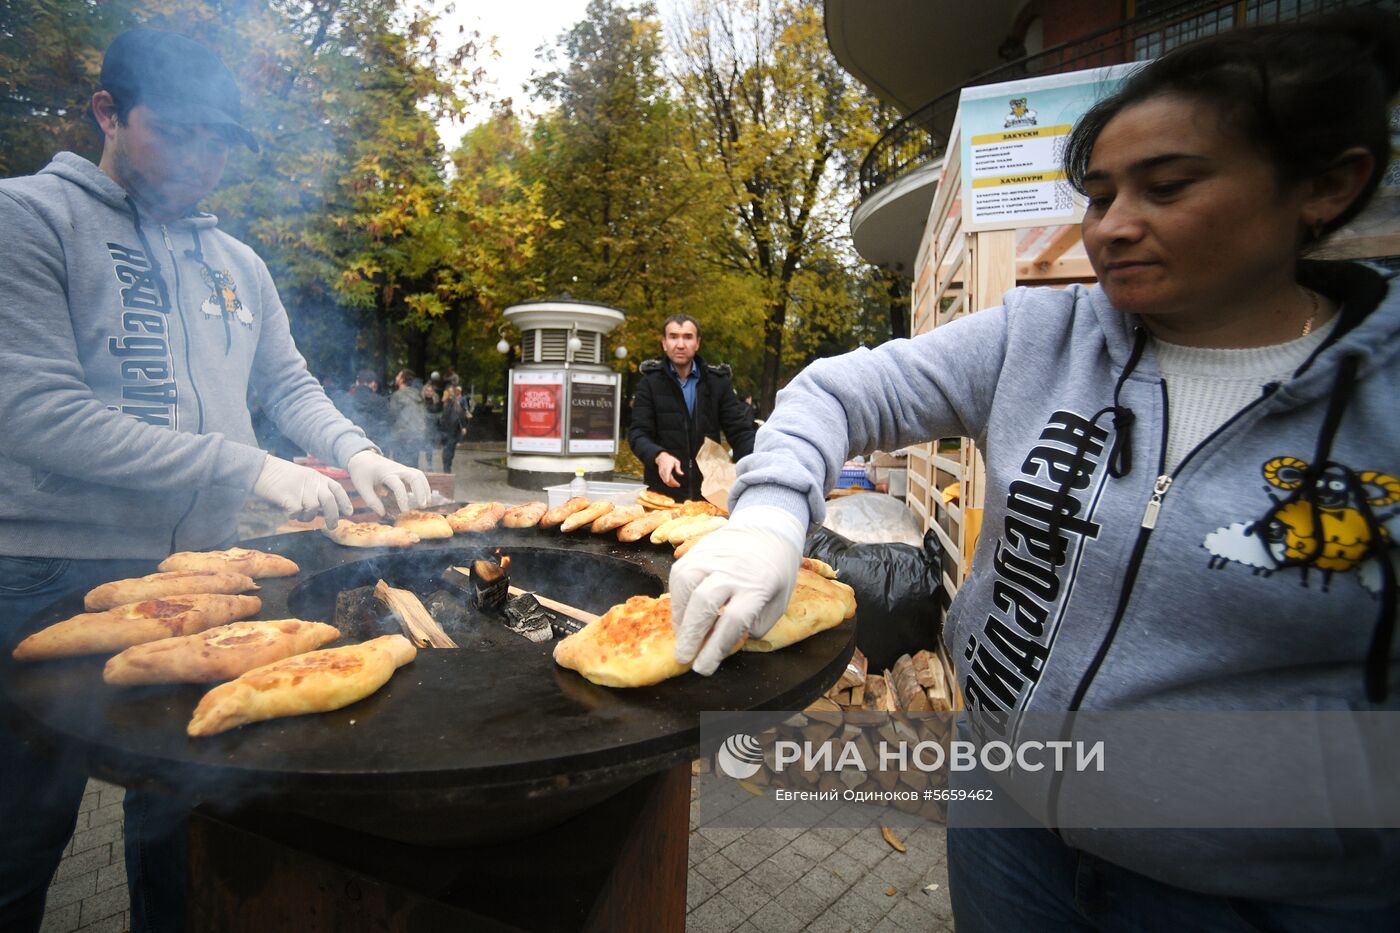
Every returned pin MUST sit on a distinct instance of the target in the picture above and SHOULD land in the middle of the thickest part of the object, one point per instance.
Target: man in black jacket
(680, 401)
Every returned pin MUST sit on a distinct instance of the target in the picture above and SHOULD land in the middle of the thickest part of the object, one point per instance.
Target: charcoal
(527, 618)
(460, 624)
(360, 615)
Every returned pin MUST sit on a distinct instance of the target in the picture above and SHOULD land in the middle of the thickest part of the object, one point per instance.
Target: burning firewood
(418, 624)
(492, 584)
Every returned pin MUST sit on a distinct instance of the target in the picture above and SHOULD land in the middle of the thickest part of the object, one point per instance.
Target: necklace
(1308, 324)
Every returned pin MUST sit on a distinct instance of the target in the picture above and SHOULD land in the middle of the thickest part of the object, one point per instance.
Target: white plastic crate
(620, 493)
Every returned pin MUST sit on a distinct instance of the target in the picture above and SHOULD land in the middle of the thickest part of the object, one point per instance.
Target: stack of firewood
(920, 683)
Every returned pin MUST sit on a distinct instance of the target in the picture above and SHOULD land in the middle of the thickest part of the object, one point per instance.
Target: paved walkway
(763, 880)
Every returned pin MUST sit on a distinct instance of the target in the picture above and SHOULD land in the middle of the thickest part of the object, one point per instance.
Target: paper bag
(718, 470)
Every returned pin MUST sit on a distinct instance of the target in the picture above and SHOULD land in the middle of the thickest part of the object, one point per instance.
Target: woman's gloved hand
(369, 468)
(301, 491)
(736, 581)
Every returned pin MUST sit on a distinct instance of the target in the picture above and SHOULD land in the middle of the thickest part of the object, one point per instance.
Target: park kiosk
(564, 401)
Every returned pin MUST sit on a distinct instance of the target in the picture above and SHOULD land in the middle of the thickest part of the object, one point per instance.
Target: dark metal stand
(617, 867)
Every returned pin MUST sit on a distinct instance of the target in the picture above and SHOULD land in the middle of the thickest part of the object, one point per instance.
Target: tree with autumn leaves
(700, 166)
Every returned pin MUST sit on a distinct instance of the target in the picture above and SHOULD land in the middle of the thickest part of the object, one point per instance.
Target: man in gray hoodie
(135, 330)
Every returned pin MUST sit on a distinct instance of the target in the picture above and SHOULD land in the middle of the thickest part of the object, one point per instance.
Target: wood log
(855, 672)
(923, 660)
(940, 696)
(879, 694)
(824, 709)
(906, 682)
(418, 624)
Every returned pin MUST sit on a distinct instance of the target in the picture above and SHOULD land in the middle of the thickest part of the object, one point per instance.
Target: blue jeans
(42, 785)
(1004, 880)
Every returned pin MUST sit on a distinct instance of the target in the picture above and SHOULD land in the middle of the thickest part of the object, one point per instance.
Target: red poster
(538, 409)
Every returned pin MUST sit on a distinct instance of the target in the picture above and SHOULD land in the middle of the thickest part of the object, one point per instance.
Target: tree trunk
(772, 357)
(381, 352)
(899, 306)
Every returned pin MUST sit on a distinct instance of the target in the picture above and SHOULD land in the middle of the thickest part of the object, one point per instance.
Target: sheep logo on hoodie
(223, 297)
(1331, 526)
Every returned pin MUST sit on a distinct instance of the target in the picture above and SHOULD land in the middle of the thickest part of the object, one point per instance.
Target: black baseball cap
(176, 77)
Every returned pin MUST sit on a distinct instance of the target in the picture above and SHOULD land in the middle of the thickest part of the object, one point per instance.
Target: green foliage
(776, 119)
(710, 175)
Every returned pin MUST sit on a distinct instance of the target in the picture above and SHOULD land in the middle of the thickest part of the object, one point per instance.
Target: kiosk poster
(537, 412)
(593, 413)
(1013, 137)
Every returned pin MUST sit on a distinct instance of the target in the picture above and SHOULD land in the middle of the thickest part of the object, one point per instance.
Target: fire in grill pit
(529, 615)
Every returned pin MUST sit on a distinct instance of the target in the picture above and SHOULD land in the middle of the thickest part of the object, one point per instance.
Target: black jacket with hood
(660, 422)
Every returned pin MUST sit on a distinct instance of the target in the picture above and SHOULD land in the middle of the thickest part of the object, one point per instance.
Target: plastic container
(853, 476)
(619, 493)
(578, 486)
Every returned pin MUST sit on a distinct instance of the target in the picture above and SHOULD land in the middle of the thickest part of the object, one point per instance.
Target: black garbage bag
(899, 592)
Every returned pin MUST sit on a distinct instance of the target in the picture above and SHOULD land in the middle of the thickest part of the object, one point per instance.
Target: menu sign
(1013, 143)
(593, 413)
(537, 412)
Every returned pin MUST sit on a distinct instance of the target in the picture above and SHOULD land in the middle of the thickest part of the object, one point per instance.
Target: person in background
(367, 407)
(135, 330)
(432, 408)
(1163, 451)
(678, 403)
(452, 425)
(407, 416)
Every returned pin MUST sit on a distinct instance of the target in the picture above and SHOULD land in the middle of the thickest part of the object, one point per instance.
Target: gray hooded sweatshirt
(129, 353)
(1100, 582)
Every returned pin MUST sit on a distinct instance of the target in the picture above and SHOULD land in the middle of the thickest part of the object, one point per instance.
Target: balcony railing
(923, 135)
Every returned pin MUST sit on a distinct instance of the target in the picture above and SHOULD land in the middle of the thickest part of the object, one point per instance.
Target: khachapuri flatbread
(220, 653)
(819, 602)
(639, 528)
(587, 516)
(315, 682)
(238, 559)
(524, 516)
(617, 518)
(170, 583)
(369, 534)
(477, 517)
(426, 525)
(113, 630)
(555, 516)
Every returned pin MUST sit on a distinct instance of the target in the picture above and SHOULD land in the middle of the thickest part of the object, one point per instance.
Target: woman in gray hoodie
(1192, 473)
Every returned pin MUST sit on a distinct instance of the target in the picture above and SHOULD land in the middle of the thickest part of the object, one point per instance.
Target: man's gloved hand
(409, 486)
(301, 491)
(735, 581)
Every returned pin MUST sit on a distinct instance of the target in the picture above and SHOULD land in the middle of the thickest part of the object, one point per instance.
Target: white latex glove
(301, 491)
(409, 486)
(735, 581)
